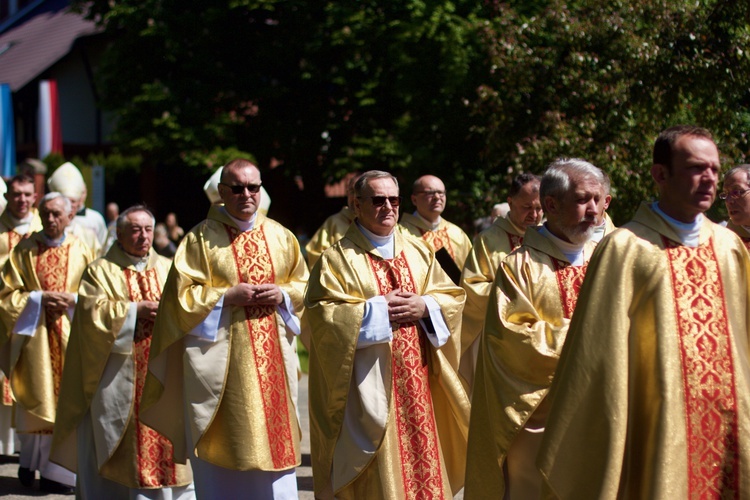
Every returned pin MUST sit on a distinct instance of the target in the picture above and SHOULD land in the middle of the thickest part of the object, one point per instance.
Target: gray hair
(556, 179)
(739, 168)
(364, 180)
(122, 218)
(67, 206)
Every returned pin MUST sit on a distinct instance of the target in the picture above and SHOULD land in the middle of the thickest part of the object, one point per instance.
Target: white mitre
(67, 179)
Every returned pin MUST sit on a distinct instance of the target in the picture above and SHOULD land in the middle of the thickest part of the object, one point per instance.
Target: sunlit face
(738, 201)
(525, 207)
(21, 197)
(242, 205)
(429, 197)
(54, 218)
(380, 220)
(603, 205)
(689, 187)
(574, 217)
(137, 235)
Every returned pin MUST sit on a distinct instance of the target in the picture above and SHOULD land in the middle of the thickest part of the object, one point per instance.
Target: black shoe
(50, 486)
(26, 476)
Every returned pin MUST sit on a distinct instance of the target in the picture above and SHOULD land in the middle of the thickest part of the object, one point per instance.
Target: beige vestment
(447, 235)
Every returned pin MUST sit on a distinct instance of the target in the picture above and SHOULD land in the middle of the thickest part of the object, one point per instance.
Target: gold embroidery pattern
(415, 419)
(7, 393)
(438, 239)
(569, 280)
(515, 241)
(13, 239)
(708, 371)
(254, 266)
(52, 270)
(155, 456)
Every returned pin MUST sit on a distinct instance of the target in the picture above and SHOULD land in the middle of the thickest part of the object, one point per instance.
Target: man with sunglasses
(388, 413)
(651, 394)
(448, 240)
(735, 195)
(223, 349)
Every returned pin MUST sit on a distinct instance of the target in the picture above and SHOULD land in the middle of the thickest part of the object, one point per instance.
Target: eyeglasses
(379, 201)
(431, 194)
(240, 188)
(735, 194)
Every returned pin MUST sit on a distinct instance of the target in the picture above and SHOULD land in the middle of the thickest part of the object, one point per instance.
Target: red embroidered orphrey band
(52, 271)
(155, 454)
(708, 371)
(569, 280)
(439, 239)
(254, 266)
(514, 241)
(415, 419)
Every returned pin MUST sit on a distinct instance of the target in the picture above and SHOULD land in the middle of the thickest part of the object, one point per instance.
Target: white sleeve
(434, 326)
(376, 327)
(286, 309)
(124, 340)
(208, 328)
(29, 318)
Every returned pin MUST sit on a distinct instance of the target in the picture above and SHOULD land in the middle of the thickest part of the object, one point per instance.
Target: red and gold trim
(52, 270)
(415, 419)
(708, 371)
(439, 239)
(514, 241)
(569, 280)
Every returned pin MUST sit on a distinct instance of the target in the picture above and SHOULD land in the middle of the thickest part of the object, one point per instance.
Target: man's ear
(659, 172)
(550, 205)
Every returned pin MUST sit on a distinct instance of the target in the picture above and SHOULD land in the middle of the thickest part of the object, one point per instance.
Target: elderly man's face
(429, 197)
(378, 218)
(525, 207)
(245, 180)
(54, 218)
(21, 197)
(737, 188)
(137, 235)
(575, 215)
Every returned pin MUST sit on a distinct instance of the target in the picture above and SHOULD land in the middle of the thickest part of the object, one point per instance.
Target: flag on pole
(49, 131)
(7, 133)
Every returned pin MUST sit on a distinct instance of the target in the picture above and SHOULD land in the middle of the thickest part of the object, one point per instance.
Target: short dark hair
(21, 178)
(364, 180)
(667, 138)
(520, 181)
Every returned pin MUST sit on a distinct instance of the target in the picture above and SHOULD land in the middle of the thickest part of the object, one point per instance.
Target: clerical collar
(573, 251)
(433, 225)
(139, 263)
(688, 232)
(243, 225)
(53, 243)
(21, 226)
(383, 244)
(599, 231)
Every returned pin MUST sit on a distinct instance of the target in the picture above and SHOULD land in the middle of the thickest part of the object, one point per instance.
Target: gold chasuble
(239, 391)
(652, 394)
(743, 233)
(389, 420)
(332, 230)
(489, 249)
(36, 362)
(447, 235)
(530, 305)
(107, 381)
(9, 238)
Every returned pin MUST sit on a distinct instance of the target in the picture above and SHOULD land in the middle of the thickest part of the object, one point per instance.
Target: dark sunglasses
(379, 201)
(240, 188)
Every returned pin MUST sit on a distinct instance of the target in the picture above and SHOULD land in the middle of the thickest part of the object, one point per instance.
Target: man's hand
(245, 294)
(58, 301)
(146, 309)
(405, 307)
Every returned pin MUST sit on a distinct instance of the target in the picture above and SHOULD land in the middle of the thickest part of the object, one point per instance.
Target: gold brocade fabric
(530, 305)
(652, 394)
(240, 406)
(332, 230)
(140, 457)
(743, 233)
(409, 458)
(447, 235)
(36, 362)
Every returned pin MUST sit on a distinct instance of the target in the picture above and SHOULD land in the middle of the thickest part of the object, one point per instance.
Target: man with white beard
(530, 306)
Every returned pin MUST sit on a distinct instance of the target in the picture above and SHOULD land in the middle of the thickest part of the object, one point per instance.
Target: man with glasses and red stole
(735, 195)
(446, 239)
(388, 413)
(651, 398)
(223, 349)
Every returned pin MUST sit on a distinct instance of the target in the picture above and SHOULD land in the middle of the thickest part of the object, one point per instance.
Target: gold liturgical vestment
(447, 235)
(530, 306)
(332, 230)
(389, 420)
(240, 390)
(652, 393)
(107, 380)
(36, 362)
(743, 233)
(489, 249)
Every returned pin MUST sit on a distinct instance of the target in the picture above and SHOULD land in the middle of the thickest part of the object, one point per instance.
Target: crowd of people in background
(552, 356)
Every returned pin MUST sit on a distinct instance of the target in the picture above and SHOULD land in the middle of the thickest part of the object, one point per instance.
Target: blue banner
(7, 133)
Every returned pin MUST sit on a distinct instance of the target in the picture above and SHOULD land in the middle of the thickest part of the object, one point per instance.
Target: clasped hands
(58, 301)
(246, 294)
(405, 307)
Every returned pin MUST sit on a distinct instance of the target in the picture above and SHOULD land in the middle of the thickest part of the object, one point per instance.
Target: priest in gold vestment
(429, 197)
(530, 306)
(223, 349)
(652, 394)
(39, 283)
(98, 432)
(489, 249)
(18, 221)
(735, 195)
(388, 412)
